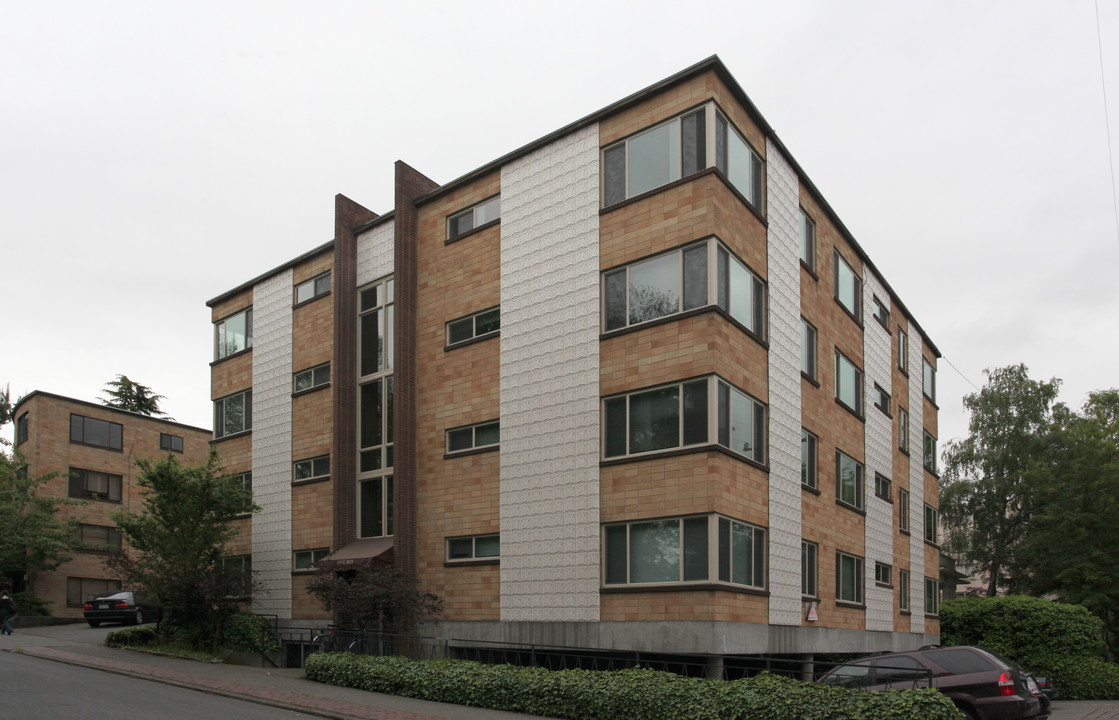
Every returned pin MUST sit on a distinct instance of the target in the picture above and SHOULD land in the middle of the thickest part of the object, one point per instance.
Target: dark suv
(983, 685)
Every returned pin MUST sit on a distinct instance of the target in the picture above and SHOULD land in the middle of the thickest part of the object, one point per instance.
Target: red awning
(363, 553)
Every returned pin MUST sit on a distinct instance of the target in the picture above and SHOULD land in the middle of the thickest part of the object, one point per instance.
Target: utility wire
(965, 377)
(1107, 125)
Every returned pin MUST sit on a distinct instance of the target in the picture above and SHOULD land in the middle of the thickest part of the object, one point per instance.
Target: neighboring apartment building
(92, 449)
(632, 386)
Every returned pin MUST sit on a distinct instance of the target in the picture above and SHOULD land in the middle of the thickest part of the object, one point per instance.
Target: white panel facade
(783, 203)
(879, 455)
(550, 554)
(271, 417)
(916, 483)
(375, 253)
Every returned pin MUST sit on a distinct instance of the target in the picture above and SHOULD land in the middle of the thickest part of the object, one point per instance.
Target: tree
(178, 541)
(6, 405)
(125, 394)
(374, 597)
(32, 538)
(987, 496)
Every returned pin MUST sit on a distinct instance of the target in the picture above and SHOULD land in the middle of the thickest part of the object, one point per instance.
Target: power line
(965, 377)
(1107, 124)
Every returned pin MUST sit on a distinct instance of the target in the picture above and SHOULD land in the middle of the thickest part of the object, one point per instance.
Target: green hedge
(132, 637)
(251, 633)
(1056, 639)
(637, 694)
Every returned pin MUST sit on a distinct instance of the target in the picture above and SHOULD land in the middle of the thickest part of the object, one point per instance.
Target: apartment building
(92, 450)
(632, 386)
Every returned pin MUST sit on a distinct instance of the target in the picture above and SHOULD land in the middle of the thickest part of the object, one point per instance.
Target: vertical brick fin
(347, 216)
(410, 184)
(783, 270)
(879, 449)
(271, 441)
(916, 482)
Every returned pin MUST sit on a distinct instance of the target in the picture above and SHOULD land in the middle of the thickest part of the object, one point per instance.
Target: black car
(123, 607)
(982, 684)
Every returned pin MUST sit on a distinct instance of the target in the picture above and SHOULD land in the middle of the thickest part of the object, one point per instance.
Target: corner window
(930, 453)
(903, 590)
(304, 560)
(677, 415)
(808, 444)
(478, 325)
(882, 313)
(848, 480)
(882, 486)
(929, 385)
(848, 288)
(903, 351)
(233, 334)
(903, 510)
(98, 539)
(848, 384)
(882, 574)
(478, 547)
(807, 349)
(311, 378)
(737, 160)
(903, 429)
(94, 485)
(809, 571)
(473, 437)
(678, 550)
(313, 288)
(78, 590)
(655, 157)
(848, 578)
(233, 414)
(174, 443)
(881, 399)
(463, 222)
(238, 571)
(99, 433)
(317, 468)
(931, 530)
(807, 240)
(932, 596)
(375, 507)
(22, 427)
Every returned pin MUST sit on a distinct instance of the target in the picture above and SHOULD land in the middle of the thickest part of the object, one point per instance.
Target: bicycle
(333, 641)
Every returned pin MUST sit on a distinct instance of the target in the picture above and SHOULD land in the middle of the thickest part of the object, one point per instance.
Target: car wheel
(968, 712)
(94, 623)
(139, 619)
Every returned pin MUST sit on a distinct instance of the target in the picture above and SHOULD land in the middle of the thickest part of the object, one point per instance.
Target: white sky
(156, 154)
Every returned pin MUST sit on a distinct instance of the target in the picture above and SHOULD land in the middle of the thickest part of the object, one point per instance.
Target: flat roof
(76, 401)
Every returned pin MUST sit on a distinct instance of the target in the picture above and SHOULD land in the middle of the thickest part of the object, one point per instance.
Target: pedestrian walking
(8, 610)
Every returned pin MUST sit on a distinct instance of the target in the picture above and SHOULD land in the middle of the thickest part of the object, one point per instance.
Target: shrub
(637, 693)
(250, 633)
(132, 637)
(31, 606)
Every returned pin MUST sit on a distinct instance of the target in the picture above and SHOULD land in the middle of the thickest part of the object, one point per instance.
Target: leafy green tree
(179, 539)
(32, 537)
(6, 405)
(374, 598)
(126, 394)
(987, 494)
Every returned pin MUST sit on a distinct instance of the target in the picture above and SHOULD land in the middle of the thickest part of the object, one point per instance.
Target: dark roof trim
(162, 421)
(325, 247)
(374, 223)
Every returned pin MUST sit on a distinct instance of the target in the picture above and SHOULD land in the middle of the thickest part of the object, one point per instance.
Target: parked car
(983, 685)
(123, 607)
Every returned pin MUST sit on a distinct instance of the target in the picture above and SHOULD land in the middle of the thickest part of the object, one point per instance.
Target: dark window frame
(222, 352)
(860, 578)
(79, 486)
(87, 433)
(320, 286)
(809, 459)
(317, 376)
(311, 558)
(167, 441)
(809, 569)
(473, 320)
(455, 230)
(882, 487)
(856, 312)
(860, 482)
(474, 442)
(318, 467)
(473, 556)
(220, 414)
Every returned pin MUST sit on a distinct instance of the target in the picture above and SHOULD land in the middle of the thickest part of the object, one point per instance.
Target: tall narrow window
(903, 510)
(807, 349)
(22, 427)
(848, 288)
(738, 161)
(807, 240)
(929, 379)
(903, 351)
(375, 507)
(903, 590)
(848, 578)
(808, 568)
(931, 525)
(375, 390)
(930, 452)
(808, 444)
(848, 383)
(903, 429)
(849, 480)
(932, 596)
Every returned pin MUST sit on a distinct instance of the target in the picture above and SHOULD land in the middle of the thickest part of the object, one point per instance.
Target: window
(848, 578)
(738, 161)
(807, 349)
(903, 351)
(308, 559)
(677, 550)
(903, 510)
(679, 281)
(808, 568)
(882, 573)
(375, 507)
(21, 429)
(479, 547)
(903, 590)
(91, 431)
(881, 313)
(931, 531)
(808, 445)
(930, 453)
(78, 590)
(376, 328)
(95, 485)
(311, 378)
(233, 334)
(848, 288)
(317, 468)
(481, 214)
(881, 399)
(238, 571)
(98, 538)
(930, 379)
(313, 288)
(882, 486)
(376, 432)
(482, 324)
(848, 384)
(848, 480)
(174, 443)
(932, 596)
(245, 479)
(233, 414)
(677, 416)
(807, 240)
(375, 394)
(903, 429)
(655, 157)
(473, 437)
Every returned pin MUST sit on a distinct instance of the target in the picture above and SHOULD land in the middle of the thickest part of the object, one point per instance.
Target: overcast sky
(156, 154)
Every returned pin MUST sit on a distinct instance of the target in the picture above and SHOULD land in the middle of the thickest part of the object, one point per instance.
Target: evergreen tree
(126, 394)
